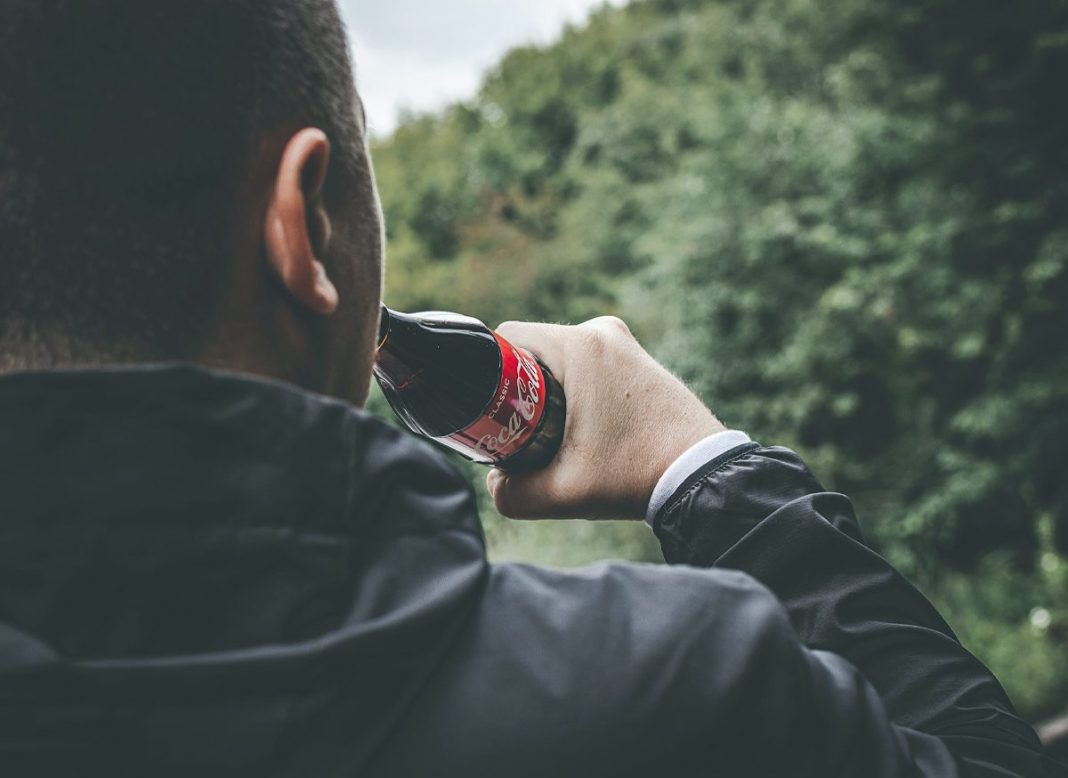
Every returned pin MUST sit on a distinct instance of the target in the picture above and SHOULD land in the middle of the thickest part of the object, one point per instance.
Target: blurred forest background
(844, 223)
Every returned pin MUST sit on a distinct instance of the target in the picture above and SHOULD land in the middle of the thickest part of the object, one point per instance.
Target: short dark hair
(126, 128)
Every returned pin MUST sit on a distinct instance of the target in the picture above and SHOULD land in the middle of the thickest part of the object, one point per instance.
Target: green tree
(844, 223)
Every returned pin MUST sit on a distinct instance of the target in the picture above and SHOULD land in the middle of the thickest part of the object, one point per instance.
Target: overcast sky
(423, 54)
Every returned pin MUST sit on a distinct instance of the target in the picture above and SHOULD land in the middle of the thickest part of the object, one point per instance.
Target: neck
(240, 349)
(25, 348)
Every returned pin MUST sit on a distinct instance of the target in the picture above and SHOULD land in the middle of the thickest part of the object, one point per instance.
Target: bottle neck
(391, 366)
(438, 370)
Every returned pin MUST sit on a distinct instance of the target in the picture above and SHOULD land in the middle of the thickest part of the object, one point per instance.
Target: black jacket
(203, 574)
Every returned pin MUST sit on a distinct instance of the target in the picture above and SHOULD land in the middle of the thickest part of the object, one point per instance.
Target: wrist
(644, 462)
(689, 462)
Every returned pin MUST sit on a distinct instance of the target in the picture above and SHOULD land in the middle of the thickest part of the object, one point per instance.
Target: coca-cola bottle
(450, 378)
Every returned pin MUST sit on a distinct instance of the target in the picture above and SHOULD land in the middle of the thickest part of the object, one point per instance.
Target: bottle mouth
(383, 329)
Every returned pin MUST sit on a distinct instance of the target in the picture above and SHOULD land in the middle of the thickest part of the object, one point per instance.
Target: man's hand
(628, 420)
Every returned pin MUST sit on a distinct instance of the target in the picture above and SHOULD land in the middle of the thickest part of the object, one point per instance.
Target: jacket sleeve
(879, 662)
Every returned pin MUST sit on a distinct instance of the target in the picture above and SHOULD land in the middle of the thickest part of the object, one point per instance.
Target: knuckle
(617, 324)
(593, 339)
(600, 334)
(610, 325)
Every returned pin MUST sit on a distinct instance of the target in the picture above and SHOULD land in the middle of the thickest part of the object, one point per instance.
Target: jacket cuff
(692, 460)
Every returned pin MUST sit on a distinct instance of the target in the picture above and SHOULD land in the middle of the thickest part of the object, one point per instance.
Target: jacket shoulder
(611, 668)
(618, 625)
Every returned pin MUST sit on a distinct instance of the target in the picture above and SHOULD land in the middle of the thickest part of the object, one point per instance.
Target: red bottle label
(508, 424)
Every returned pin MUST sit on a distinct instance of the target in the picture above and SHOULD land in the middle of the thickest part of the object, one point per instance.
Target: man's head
(186, 181)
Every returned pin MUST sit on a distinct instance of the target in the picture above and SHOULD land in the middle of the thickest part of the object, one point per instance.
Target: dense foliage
(845, 223)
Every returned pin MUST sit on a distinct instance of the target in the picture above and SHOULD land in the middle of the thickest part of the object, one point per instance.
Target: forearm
(762, 512)
(850, 665)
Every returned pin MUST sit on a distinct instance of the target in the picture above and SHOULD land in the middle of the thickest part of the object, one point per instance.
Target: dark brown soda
(438, 376)
(440, 372)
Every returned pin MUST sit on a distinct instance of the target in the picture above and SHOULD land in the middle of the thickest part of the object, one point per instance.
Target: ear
(297, 228)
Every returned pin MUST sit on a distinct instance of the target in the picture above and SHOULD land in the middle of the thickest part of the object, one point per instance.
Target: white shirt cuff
(692, 460)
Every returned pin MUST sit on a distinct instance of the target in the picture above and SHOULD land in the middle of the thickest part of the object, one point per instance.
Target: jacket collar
(168, 509)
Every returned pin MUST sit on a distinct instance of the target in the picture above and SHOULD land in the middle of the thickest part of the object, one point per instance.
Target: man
(212, 563)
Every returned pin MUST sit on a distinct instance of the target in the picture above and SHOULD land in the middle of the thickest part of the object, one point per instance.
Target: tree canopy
(844, 223)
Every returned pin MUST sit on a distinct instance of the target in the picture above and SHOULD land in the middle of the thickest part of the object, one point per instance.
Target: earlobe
(297, 228)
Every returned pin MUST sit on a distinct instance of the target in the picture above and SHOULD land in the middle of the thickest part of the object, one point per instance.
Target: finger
(528, 496)
(545, 341)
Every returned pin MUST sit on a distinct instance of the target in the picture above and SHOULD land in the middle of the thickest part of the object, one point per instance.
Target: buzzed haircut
(126, 129)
